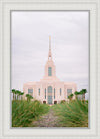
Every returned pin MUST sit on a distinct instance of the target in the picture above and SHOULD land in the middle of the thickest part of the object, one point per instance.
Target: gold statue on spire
(49, 54)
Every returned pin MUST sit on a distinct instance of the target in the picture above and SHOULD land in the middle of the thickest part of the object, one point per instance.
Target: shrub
(37, 101)
(62, 101)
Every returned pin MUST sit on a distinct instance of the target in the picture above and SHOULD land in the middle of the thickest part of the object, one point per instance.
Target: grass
(72, 114)
(23, 112)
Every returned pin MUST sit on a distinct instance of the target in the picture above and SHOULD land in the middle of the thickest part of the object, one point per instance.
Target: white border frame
(6, 6)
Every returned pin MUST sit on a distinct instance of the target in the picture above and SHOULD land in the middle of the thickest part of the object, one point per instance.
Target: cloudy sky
(30, 43)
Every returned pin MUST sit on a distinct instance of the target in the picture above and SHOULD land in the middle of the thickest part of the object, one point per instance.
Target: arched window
(49, 89)
(45, 93)
(60, 91)
(39, 91)
(49, 71)
(54, 93)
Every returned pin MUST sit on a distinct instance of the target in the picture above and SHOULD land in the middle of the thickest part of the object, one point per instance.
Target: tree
(29, 97)
(76, 93)
(13, 91)
(70, 97)
(82, 92)
(15, 94)
(18, 93)
(22, 93)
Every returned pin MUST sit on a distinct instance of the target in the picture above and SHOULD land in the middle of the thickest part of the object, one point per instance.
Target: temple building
(50, 89)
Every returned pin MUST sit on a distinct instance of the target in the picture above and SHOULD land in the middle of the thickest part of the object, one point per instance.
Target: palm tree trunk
(13, 96)
(84, 97)
(27, 99)
(76, 97)
(17, 97)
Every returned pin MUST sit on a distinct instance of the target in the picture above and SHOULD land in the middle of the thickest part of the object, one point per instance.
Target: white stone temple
(50, 89)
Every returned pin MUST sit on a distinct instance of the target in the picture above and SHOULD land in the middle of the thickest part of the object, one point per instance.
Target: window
(30, 91)
(39, 91)
(49, 71)
(60, 91)
(49, 89)
(45, 93)
(69, 91)
(54, 93)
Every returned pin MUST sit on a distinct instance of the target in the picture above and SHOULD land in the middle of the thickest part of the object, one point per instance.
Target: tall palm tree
(83, 91)
(13, 91)
(70, 97)
(22, 93)
(18, 94)
(29, 97)
(15, 94)
(76, 94)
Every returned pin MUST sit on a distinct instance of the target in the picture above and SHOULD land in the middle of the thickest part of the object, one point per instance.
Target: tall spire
(49, 54)
(49, 42)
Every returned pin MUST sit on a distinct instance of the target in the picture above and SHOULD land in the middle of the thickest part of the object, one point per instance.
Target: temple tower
(50, 70)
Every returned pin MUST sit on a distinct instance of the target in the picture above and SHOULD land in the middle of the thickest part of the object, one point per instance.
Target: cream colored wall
(70, 85)
(29, 85)
(57, 85)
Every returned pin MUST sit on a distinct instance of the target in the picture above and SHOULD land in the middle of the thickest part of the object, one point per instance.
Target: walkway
(47, 120)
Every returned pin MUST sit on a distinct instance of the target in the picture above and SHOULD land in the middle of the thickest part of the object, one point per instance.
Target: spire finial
(49, 55)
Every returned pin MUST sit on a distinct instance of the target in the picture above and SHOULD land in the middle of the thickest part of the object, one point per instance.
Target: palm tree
(13, 91)
(29, 97)
(70, 97)
(18, 94)
(76, 93)
(15, 94)
(22, 93)
(83, 91)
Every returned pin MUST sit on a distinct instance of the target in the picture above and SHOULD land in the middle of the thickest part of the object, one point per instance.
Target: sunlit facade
(50, 89)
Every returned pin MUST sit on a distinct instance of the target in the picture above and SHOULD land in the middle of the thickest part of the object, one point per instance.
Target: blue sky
(69, 43)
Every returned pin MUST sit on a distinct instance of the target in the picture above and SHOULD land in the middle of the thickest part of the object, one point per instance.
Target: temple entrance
(49, 95)
(49, 99)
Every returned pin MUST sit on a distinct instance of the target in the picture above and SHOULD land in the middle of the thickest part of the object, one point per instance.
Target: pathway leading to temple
(47, 120)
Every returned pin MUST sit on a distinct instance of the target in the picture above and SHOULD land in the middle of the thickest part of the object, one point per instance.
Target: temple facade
(50, 89)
